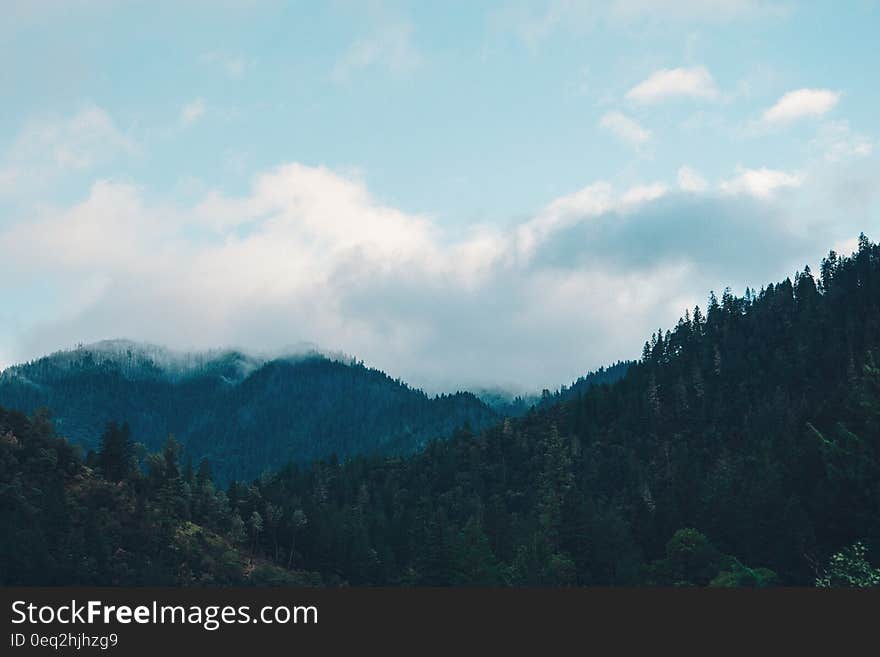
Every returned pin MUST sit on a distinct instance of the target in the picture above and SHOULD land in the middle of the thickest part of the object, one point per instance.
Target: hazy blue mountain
(246, 414)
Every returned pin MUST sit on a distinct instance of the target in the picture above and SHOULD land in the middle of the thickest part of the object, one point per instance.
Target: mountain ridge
(209, 400)
(161, 391)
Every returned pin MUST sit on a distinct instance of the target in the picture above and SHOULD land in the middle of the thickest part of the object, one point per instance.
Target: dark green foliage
(691, 560)
(518, 405)
(116, 453)
(246, 418)
(64, 523)
(604, 375)
(849, 568)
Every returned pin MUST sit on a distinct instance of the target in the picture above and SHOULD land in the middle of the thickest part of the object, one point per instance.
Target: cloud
(390, 47)
(84, 140)
(667, 84)
(761, 183)
(837, 142)
(690, 180)
(192, 111)
(625, 128)
(639, 194)
(801, 103)
(307, 254)
(46, 148)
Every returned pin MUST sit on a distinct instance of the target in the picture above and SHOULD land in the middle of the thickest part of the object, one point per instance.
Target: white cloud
(192, 111)
(801, 103)
(87, 138)
(666, 84)
(761, 183)
(308, 255)
(643, 194)
(105, 229)
(566, 211)
(690, 180)
(46, 148)
(625, 128)
(390, 47)
(591, 201)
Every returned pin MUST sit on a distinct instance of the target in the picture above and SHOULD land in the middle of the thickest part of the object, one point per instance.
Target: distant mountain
(245, 414)
(506, 403)
(514, 405)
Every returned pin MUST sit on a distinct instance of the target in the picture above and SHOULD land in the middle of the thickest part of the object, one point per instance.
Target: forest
(741, 449)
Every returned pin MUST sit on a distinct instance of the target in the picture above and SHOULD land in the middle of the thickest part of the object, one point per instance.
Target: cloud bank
(309, 255)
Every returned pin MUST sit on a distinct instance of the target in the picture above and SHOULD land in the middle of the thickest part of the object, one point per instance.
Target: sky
(463, 194)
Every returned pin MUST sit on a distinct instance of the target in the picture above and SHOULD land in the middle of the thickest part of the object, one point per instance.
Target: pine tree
(116, 453)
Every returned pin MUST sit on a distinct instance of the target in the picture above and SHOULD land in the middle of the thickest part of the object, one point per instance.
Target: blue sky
(474, 193)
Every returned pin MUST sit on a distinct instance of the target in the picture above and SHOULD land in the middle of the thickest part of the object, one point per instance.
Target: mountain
(514, 405)
(742, 449)
(245, 414)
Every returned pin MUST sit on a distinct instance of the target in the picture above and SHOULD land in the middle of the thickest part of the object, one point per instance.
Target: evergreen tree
(116, 453)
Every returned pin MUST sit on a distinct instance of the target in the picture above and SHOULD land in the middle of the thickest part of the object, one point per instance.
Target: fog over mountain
(132, 357)
(245, 413)
(310, 257)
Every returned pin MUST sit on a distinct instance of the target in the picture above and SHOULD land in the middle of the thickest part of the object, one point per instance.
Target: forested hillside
(245, 415)
(743, 449)
(508, 405)
(65, 521)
